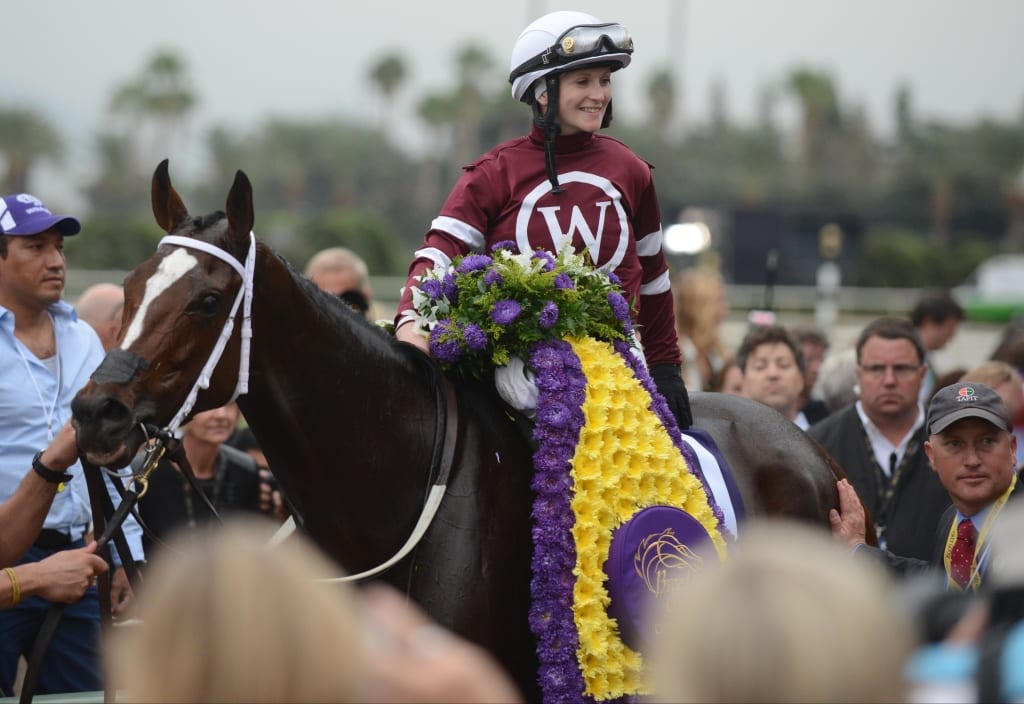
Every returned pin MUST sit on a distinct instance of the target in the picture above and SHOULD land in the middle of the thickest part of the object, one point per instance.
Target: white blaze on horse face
(171, 269)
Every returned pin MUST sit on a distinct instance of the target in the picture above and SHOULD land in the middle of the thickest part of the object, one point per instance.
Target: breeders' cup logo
(651, 556)
(663, 562)
(966, 394)
(601, 223)
(29, 199)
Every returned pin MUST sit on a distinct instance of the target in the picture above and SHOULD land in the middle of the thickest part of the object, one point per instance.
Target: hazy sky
(310, 58)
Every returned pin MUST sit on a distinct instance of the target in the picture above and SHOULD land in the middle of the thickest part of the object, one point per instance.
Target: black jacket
(910, 517)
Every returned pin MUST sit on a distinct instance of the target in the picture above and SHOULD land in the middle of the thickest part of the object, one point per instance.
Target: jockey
(564, 183)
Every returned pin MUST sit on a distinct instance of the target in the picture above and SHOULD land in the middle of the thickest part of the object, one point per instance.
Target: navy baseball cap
(967, 399)
(24, 214)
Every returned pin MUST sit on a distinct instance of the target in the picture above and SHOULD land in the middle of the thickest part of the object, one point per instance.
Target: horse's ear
(239, 208)
(167, 206)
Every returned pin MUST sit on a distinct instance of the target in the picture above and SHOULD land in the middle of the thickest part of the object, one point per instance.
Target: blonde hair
(763, 626)
(993, 373)
(695, 299)
(226, 619)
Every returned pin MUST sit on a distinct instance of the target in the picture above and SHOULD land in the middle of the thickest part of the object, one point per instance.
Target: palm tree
(388, 74)
(439, 112)
(472, 63)
(819, 106)
(25, 138)
(161, 96)
(661, 90)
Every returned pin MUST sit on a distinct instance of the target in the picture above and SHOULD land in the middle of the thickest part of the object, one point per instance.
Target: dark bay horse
(348, 419)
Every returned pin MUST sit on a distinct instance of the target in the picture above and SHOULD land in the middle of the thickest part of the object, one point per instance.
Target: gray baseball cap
(966, 399)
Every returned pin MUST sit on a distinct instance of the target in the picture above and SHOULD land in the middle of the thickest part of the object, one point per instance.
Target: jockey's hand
(407, 333)
(669, 380)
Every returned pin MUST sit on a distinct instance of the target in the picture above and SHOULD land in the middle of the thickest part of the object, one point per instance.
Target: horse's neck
(341, 413)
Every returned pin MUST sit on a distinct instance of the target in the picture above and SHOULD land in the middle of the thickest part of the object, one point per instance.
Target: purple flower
(548, 315)
(444, 342)
(450, 288)
(546, 358)
(476, 338)
(474, 262)
(551, 616)
(564, 282)
(493, 278)
(505, 311)
(431, 288)
(620, 308)
(549, 261)
(505, 244)
(614, 278)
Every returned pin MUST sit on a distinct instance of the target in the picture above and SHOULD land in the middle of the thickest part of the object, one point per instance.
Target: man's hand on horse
(849, 522)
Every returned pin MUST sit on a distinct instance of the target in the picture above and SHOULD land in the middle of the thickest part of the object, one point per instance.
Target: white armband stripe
(650, 244)
(661, 284)
(440, 259)
(460, 230)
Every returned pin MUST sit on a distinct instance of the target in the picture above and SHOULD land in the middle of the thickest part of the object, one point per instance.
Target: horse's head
(176, 305)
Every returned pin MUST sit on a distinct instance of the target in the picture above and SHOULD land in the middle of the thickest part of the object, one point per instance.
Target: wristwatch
(50, 475)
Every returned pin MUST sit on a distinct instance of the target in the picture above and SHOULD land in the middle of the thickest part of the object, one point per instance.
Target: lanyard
(47, 414)
(975, 580)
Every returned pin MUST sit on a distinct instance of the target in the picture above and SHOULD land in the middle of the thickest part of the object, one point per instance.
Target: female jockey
(564, 182)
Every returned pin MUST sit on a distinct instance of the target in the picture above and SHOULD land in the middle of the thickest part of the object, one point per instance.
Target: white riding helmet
(561, 41)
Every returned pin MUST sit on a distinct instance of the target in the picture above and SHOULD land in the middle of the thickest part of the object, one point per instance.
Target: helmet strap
(607, 120)
(548, 121)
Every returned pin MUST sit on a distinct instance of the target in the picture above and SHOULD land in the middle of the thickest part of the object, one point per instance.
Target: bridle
(244, 297)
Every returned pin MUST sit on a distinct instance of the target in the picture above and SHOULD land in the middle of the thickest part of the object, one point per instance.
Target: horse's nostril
(112, 410)
(104, 408)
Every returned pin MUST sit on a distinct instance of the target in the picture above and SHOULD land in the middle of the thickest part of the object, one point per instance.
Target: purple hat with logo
(967, 399)
(24, 214)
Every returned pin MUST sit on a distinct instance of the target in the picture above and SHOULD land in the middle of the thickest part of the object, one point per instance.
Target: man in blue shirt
(46, 356)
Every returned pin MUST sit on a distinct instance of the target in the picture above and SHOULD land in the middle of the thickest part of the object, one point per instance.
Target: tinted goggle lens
(585, 40)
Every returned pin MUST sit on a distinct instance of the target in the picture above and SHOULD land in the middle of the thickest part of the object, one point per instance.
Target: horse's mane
(333, 308)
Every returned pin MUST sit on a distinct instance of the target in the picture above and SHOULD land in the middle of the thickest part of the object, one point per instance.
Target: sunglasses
(583, 41)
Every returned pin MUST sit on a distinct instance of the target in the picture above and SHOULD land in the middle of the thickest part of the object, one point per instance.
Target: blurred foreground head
(225, 619)
(789, 617)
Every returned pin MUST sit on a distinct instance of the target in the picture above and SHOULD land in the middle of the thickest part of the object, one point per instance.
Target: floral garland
(588, 483)
(560, 313)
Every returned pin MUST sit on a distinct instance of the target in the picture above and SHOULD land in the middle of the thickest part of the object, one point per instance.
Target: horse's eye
(209, 304)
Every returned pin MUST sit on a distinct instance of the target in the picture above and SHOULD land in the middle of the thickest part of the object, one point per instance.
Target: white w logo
(615, 220)
(577, 224)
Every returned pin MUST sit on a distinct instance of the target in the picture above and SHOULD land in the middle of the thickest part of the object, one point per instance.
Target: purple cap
(24, 214)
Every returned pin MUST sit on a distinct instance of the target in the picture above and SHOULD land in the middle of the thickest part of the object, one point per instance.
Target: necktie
(962, 557)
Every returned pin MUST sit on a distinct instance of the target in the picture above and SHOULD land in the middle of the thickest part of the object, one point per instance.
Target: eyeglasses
(580, 42)
(902, 372)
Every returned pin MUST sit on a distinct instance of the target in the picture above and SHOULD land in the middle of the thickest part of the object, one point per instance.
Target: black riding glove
(669, 380)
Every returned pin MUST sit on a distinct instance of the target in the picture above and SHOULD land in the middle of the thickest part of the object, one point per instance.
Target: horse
(351, 423)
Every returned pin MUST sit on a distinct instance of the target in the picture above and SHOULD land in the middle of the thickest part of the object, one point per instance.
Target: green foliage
(26, 137)
(113, 242)
(364, 233)
(902, 258)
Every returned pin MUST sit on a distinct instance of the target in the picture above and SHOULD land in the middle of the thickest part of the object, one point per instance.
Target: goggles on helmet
(580, 42)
